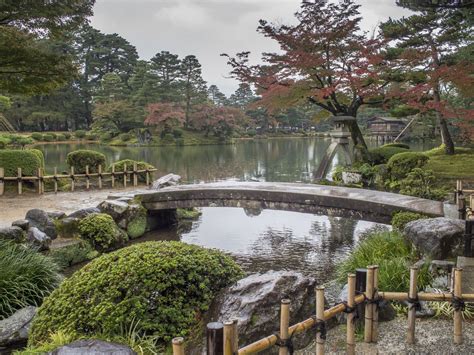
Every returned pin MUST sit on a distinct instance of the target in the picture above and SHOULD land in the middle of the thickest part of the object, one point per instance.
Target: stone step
(467, 265)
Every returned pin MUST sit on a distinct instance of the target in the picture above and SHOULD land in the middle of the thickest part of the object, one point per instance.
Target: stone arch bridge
(356, 203)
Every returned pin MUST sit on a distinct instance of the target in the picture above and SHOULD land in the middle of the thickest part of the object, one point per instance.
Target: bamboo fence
(371, 297)
(117, 178)
(464, 201)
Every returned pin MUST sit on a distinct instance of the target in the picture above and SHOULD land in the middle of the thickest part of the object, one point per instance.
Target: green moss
(401, 164)
(400, 219)
(162, 286)
(382, 154)
(29, 160)
(188, 213)
(73, 254)
(101, 231)
(79, 159)
(137, 222)
(452, 167)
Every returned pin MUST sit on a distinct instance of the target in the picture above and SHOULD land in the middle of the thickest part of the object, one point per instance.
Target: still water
(259, 240)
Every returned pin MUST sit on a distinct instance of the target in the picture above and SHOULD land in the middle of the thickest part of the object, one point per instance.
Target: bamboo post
(412, 294)
(72, 178)
(350, 335)
(235, 333)
(319, 318)
(20, 186)
(457, 312)
(39, 181)
(2, 181)
(125, 175)
(228, 338)
(100, 176)
(375, 309)
(178, 348)
(284, 324)
(55, 178)
(369, 291)
(135, 176)
(458, 189)
(113, 175)
(87, 178)
(147, 176)
(215, 338)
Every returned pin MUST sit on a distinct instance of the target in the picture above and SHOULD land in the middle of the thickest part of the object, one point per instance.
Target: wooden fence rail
(73, 177)
(371, 298)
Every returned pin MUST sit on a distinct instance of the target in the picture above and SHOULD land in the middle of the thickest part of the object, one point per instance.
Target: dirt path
(15, 207)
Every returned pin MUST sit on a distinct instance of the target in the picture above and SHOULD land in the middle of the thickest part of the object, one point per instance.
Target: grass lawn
(452, 167)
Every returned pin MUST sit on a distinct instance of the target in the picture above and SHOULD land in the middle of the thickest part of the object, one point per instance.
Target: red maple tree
(165, 115)
(219, 120)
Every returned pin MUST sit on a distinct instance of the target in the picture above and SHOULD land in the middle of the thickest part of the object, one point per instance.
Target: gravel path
(434, 336)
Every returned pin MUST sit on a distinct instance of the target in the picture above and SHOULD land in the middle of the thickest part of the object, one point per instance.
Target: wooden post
(39, 181)
(147, 177)
(87, 178)
(369, 292)
(215, 338)
(412, 294)
(228, 338)
(319, 318)
(125, 175)
(2, 181)
(375, 309)
(178, 348)
(113, 175)
(72, 178)
(284, 324)
(20, 182)
(100, 176)
(55, 178)
(350, 335)
(135, 175)
(457, 313)
(235, 333)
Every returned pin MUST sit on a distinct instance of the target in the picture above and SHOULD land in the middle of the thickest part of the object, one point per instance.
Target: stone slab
(467, 265)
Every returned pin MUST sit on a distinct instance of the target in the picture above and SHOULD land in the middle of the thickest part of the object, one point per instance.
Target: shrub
(177, 133)
(24, 141)
(4, 141)
(60, 137)
(100, 230)
(390, 252)
(168, 138)
(382, 154)
(107, 136)
(421, 183)
(54, 135)
(251, 132)
(37, 136)
(48, 137)
(141, 165)
(125, 137)
(73, 254)
(80, 133)
(67, 135)
(180, 141)
(29, 160)
(401, 164)
(398, 145)
(164, 286)
(79, 159)
(400, 219)
(26, 277)
(91, 136)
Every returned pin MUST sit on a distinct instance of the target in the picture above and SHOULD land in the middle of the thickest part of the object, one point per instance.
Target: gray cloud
(207, 28)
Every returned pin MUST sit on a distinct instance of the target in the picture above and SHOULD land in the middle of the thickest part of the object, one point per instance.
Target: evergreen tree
(216, 96)
(167, 68)
(194, 86)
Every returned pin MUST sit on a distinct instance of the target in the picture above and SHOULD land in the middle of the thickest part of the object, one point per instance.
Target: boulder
(255, 302)
(68, 227)
(436, 238)
(56, 215)
(40, 219)
(164, 181)
(351, 177)
(38, 239)
(12, 233)
(15, 328)
(22, 223)
(93, 347)
(116, 209)
(82, 213)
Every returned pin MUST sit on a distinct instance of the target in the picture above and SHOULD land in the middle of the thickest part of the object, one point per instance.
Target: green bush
(29, 160)
(106, 136)
(251, 132)
(92, 136)
(79, 159)
(37, 136)
(394, 257)
(24, 141)
(177, 133)
(67, 135)
(125, 137)
(398, 145)
(141, 165)
(73, 254)
(382, 154)
(400, 219)
(100, 230)
(168, 138)
(26, 277)
(162, 286)
(80, 133)
(400, 165)
(4, 141)
(48, 137)
(60, 137)
(421, 183)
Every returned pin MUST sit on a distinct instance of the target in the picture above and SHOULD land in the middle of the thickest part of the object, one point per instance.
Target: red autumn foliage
(219, 120)
(165, 115)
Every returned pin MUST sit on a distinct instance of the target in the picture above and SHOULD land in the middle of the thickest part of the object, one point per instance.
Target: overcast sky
(207, 28)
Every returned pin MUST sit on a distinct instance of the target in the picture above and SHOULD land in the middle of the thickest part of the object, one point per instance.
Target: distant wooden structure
(5, 125)
(385, 129)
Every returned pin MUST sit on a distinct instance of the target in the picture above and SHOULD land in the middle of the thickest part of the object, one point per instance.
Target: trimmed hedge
(141, 165)
(100, 230)
(29, 160)
(80, 133)
(381, 155)
(401, 164)
(79, 159)
(163, 287)
(37, 136)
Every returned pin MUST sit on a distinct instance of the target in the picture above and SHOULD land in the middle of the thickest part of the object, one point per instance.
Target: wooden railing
(464, 201)
(117, 178)
(226, 341)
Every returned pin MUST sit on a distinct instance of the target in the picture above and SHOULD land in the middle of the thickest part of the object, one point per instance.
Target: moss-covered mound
(401, 164)
(161, 286)
(100, 230)
(141, 165)
(29, 160)
(79, 159)
(382, 154)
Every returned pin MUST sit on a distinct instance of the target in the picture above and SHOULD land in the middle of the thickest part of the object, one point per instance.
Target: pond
(259, 240)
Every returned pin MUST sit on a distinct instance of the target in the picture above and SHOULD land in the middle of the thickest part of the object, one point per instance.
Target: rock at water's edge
(38, 239)
(41, 220)
(80, 214)
(164, 181)
(93, 347)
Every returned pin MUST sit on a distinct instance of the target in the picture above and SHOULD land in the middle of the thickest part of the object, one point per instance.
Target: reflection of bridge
(320, 199)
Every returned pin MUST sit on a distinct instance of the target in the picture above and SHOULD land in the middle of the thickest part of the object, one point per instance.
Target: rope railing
(40, 178)
(370, 299)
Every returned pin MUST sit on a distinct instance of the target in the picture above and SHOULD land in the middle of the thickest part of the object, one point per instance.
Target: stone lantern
(340, 137)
